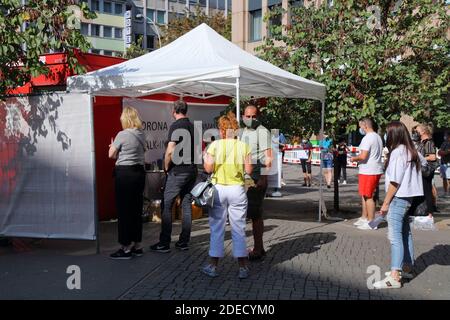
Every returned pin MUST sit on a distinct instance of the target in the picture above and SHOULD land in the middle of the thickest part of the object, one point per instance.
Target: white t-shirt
(373, 164)
(402, 172)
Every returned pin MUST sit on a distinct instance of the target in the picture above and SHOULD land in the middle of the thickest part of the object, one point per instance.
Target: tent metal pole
(322, 125)
(94, 180)
(238, 101)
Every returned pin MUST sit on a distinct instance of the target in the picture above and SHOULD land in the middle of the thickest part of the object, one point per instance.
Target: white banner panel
(157, 118)
(46, 167)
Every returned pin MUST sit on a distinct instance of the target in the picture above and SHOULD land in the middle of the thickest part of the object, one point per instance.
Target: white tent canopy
(201, 63)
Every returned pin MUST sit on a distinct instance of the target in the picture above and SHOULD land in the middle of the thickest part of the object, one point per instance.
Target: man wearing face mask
(427, 149)
(259, 139)
(370, 171)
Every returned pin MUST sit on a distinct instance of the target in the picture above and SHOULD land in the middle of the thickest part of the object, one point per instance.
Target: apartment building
(121, 22)
(248, 27)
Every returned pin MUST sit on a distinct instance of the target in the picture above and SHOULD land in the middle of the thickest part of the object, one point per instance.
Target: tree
(51, 25)
(179, 26)
(377, 58)
(135, 50)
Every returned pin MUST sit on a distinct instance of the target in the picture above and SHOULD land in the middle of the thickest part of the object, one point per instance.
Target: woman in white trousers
(228, 159)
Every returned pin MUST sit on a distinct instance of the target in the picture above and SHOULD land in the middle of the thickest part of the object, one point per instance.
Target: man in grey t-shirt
(259, 139)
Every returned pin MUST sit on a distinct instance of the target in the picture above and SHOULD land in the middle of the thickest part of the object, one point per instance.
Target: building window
(107, 7)
(172, 16)
(151, 14)
(107, 53)
(107, 32)
(296, 3)
(95, 5)
(118, 8)
(255, 25)
(96, 51)
(118, 33)
(150, 42)
(139, 12)
(275, 20)
(84, 29)
(138, 37)
(95, 30)
(161, 17)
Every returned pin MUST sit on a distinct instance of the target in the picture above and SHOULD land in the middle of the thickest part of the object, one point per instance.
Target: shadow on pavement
(290, 247)
(439, 255)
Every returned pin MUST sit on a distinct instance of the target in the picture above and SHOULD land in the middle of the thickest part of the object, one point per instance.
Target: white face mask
(362, 131)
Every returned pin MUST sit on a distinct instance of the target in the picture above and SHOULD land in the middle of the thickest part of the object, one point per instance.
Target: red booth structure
(107, 111)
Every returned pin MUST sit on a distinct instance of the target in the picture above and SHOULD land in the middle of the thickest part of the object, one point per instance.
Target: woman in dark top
(427, 149)
(342, 151)
(128, 148)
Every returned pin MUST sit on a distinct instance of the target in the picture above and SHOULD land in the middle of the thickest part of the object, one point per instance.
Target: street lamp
(155, 27)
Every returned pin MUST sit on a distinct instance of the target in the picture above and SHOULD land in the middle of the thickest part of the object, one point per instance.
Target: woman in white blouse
(403, 179)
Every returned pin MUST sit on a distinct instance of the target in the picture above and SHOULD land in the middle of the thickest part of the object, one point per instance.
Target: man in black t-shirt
(181, 176)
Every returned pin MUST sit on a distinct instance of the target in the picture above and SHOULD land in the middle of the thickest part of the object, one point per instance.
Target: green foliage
(177, 27)
(51, 26)
(135, 50)
(373, 65)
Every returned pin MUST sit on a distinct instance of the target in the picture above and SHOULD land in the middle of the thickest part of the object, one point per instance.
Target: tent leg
(238, 101)
(96, 217)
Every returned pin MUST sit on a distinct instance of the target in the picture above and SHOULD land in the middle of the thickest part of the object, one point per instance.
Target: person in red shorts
(370, 171)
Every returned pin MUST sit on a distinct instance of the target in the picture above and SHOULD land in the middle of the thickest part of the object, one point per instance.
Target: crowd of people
(237, 162)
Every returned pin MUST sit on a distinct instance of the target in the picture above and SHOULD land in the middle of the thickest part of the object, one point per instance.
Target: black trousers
(129, 187)
(177, 184)
(428, 193)
(342, 166)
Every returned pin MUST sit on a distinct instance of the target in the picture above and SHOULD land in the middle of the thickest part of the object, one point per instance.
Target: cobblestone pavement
(305, 259)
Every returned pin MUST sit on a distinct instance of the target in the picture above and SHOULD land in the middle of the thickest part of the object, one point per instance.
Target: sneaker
(182, 246)
(387, 283)
(403, 275)
(344, 183)
(160, 248)
(137, 252)
(329, 186)
(121, 255)
(283, 183)
(366, 226)
(304, 185)
(210, 271)
(360, 222)
(243, 272)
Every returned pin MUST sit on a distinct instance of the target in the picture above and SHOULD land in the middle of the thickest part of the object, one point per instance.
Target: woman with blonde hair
(228, 159)
(128, 149)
